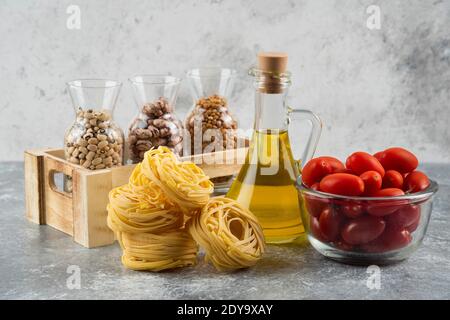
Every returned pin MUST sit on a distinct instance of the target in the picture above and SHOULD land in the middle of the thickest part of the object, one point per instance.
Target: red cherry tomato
(413, 227)
(342, 184)
(391, 239)
(316, 186)
(345, 170)
(416, 181)
(398, 159)
(384, 208)
(389, 192)
(315, 170)
(362, 230)
(336, 164)
(393, 179)
(315, 229)
(403, 218)
(378, 155)
(330, 223)
(360, 162)
(372, 182)
(351, 209)
(396, 239)
(315, 205)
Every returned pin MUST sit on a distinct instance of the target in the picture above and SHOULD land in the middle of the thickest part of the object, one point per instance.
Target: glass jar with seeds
(155, 124)
(93, 141)
(210, 126)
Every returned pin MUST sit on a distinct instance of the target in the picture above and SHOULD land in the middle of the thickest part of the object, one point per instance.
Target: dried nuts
(94, 142)
(156, 125)
(211, 113)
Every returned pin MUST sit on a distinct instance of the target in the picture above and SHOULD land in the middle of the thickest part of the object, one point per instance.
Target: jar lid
(273, 62)
(272, 68)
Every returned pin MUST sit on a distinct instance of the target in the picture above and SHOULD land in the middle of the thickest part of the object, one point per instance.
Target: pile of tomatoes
(377, 225)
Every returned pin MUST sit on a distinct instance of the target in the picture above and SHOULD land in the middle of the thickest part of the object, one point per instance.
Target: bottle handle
(314, 136)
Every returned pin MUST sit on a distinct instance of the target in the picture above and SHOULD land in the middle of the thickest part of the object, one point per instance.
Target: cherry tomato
(391, 239)
(315, 229)
(396, 239)
(372, 182)
(360, 162)
(393, 179)
(351, 209)
(362, 230)
(315, 170)
(404, 217)
(413, 227)
(315, 205)
(345, 170)
(330, 223)
(316, 186)
(416, 181)
(389, 192)
(398, 159)
(384, 208)
(378, 155)
(342, 184)
(336, 164)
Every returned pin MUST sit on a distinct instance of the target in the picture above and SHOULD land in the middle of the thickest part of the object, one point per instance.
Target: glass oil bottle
(266, 181)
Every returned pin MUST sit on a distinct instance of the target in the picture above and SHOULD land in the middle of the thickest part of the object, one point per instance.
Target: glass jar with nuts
(94, 141)
(210, 125)
(156, 123)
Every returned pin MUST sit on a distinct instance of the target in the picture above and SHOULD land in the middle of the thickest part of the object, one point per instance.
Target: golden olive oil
(266, 185)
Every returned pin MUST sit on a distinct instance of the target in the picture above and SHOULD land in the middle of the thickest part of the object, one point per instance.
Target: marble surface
(387, 87)
(34, 262)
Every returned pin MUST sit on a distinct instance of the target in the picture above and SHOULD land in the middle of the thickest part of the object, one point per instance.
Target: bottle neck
(270, 111)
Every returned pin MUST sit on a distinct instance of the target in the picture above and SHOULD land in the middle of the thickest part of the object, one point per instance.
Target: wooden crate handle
(58, 204)
(52, 185)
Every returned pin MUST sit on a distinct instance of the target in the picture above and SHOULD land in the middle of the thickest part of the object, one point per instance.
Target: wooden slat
(34, 193)
(221, 163)
(90, 198)
(58, 204)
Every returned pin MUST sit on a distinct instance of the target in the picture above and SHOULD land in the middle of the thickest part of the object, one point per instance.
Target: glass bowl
(366, 230)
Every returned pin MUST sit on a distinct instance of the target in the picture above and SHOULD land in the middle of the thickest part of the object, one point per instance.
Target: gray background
(372, 88)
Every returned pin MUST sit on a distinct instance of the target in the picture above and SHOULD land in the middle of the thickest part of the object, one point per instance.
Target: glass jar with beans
(155, 123)
(210, 126)
(94, 141)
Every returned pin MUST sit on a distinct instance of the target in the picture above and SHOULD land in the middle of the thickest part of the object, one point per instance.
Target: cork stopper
(274, 62)
(271, 64)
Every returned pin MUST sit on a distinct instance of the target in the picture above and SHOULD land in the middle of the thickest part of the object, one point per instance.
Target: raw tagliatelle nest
(157, 252)
(130, 212)
(148, 220)
(183, 183)
(229, 233)
(148, 216)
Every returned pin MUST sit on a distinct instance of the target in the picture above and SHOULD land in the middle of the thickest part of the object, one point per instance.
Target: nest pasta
(183, 183)
(229, 233)
(147, 190)
(157, 252)
(149, 214)
(127, 212)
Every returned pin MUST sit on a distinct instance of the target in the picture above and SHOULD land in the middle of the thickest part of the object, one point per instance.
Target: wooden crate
(82, 212)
